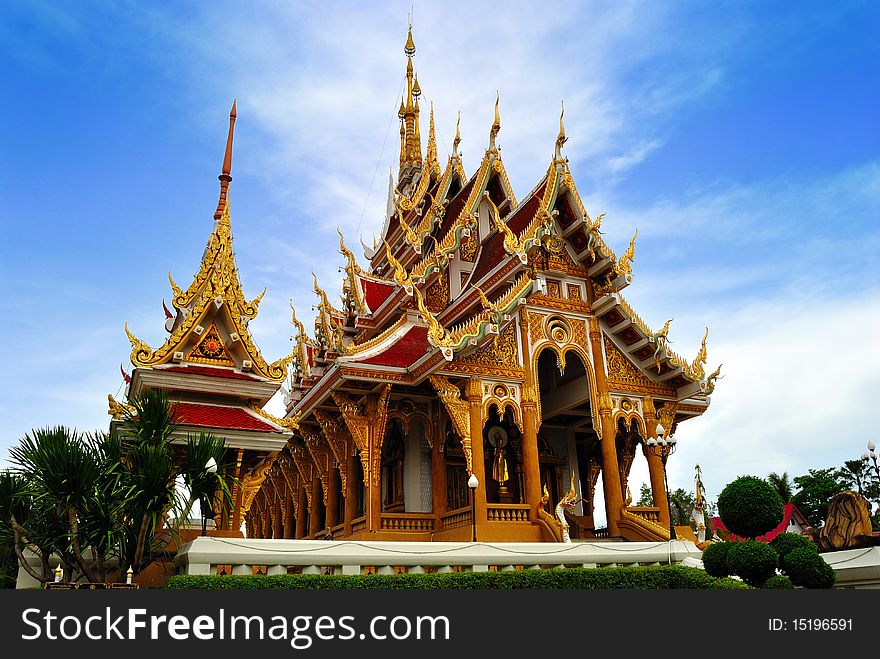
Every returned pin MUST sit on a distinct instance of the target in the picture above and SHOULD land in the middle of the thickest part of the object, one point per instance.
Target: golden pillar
(332, 497)
(531, 467)
(474, 396)
(314, 518)
(655, 465)
(350, 493)
(303, 507)
(438, 472)
(290, 517)
(278, 530)
(611, 483)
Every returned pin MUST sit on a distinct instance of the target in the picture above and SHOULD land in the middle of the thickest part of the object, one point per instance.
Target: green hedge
(642, 578)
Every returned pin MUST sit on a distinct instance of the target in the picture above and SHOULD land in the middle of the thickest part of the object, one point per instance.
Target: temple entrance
(568, 444)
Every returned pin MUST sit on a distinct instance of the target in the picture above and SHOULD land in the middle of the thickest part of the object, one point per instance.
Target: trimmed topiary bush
(806, 567)
(715, 559)
(750, 507)
(787, 542)
(752, 561)
(778, 581)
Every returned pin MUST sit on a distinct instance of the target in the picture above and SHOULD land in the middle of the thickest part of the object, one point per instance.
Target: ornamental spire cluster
(410, 137)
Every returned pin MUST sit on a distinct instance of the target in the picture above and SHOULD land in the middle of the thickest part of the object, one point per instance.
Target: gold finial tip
(232, 113)
(410, 47)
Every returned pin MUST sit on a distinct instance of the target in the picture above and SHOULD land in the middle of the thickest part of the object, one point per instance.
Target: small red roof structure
(216, 416)
(793, 520)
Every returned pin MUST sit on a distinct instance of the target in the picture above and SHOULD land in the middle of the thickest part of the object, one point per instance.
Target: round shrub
(750, 507)
(715, 559)
(752, 561)
(787, 542)
(778, 581)
(806, 567)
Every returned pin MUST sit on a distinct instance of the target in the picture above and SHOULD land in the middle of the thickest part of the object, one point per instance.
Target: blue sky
(742, 141)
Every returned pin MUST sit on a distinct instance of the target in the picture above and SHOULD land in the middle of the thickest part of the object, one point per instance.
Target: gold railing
(508, 512)
(453, 518)
(358, 524)
(652, 514)
(407, 522)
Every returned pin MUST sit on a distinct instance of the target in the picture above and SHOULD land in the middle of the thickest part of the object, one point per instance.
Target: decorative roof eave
(488, 321)
(378, 343)
(693, 371)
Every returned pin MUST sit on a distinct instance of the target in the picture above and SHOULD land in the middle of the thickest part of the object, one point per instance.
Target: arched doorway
(568, 443)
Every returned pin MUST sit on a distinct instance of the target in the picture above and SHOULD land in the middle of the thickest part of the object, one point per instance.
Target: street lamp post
(473, 483)
(872, 456)
(210, 468)
(663, 448)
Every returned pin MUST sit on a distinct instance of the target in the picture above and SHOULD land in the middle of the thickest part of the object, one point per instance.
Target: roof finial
(496, 125)
(410, 47)
(457, 139)
(561, 138)
(225, 176)
(431, 154)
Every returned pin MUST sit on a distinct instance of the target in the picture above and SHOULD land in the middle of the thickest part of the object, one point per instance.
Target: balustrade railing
(453, 518)
(407, 522)
(508, 512)
(358, 524)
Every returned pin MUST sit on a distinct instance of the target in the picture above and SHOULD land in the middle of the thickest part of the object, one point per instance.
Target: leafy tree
(815, 490)
(749, 507)
(782, 484)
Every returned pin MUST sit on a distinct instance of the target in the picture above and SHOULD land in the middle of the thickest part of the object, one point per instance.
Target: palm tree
(782, 484)
(86, 499)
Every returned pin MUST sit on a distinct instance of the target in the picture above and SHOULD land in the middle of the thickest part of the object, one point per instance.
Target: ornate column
(302, 508)
(332, 497)
(367, 429)
(289, 518)
(531, 422)
(350, 494)
(531, 467)
(474, 395)
(280, 519)
(438, 468)
(611, 484)
(655, 466)
(314, 518)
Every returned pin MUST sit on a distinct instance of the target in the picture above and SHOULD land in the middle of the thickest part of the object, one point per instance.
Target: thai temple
(484, 340)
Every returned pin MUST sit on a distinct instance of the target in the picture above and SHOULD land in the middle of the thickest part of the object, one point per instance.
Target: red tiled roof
(406, 351)
(453, 208)
(213, 372)
(788, 511)
(215, 416)
(491, 255)
(525, 213)
(375, 293)
(493, 248)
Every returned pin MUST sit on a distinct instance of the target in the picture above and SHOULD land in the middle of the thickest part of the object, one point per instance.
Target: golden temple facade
(484, 342)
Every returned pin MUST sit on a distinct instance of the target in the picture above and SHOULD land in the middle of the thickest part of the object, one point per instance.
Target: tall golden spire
(225, 177)
(410, 139)
(457, 139)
